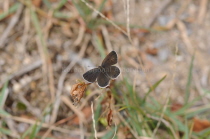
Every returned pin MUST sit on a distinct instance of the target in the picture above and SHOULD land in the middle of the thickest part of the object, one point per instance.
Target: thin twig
(55, 128)
(62, 78)
(12, 23)
(81, 33)
(158, 12)
(202, 11)
(94, 122)
(24, 70)
(128, 19)
(103, 16)
(106, 38)
(78, 113)
(183, 32)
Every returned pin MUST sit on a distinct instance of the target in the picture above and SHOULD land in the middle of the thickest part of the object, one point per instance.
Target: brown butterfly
(105, 72)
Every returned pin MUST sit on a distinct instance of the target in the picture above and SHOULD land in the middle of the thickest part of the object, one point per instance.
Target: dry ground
(44, 53)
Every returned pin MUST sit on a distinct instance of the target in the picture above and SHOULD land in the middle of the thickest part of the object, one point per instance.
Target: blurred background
(163, 49)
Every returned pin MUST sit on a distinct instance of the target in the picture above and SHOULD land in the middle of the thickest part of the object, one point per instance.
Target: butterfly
(104, 73)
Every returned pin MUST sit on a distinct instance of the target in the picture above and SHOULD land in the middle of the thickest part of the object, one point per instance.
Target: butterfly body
(105, 72)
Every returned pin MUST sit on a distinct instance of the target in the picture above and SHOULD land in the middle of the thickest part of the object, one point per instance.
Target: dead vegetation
(163, 50)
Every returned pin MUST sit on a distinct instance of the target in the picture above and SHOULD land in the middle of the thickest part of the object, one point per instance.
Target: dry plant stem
(27, 19)
(78, 113)
(128, 126)
(43, 57)
(62, 78)
(12, 23)
(163, 7)
(84, 103)
(106, 38)
(168, 97)
(103, 16)
(202, 11)
(128, 20)
(49, 62)
(165, 123)
(24, 70)
(45, 125)
(43, 13)
(94, 122)
(12, 126)
(81, 33)
(5, 5)
(186, 39)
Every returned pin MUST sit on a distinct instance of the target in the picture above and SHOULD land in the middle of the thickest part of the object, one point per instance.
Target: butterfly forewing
(112, 71)
(91, 75)
(110, 59)
(103, 80)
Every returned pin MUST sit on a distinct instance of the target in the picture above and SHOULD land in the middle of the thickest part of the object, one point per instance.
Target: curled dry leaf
(200, 124)
(77, 92)
(152, 51)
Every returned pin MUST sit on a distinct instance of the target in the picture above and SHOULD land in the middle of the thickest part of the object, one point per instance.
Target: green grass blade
(27, 132)
(60, 4)
(83, 10)
(4, 113)
(47, 3)
(187, 91)
(10, 11)
(109, 134)
(153, 88)
(5, 131)
(61, 15)
(34, 131)
(102, 5)
(3, 95)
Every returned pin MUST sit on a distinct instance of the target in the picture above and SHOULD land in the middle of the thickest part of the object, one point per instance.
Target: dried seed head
(77, 92)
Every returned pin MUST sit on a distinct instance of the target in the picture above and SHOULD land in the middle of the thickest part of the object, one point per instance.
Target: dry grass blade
(24, 70)
(78, 113)
(202, 11)
(185, 36)
(11, 25)
(115, 25)
(62, 78)
(94, 122)
(158, 12)
(107, 39)
(128, 126)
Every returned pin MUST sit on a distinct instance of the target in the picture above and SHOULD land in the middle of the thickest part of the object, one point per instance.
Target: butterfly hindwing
(103, 80)
(91, 75)
(110, 59)
(112, 71)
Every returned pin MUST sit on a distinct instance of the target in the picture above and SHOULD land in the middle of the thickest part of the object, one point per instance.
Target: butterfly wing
(113, 71)
(91, 75)
(103, 80)
(110, 59)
